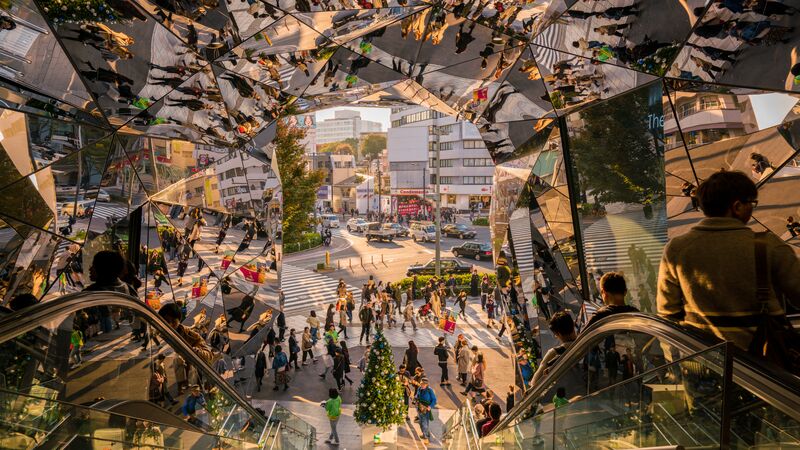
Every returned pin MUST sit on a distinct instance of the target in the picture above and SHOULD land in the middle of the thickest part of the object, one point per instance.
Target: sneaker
(305, 363)
(426, 442)
(328, 441)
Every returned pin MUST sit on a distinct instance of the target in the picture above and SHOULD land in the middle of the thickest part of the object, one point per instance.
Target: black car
(473, 250)
(458, 230)
(448, 266)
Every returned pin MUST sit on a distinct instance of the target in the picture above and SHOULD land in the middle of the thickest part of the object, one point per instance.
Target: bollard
(338, 264)
(372, 259)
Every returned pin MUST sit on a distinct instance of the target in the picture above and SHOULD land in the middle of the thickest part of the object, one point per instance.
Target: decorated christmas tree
(380, 396)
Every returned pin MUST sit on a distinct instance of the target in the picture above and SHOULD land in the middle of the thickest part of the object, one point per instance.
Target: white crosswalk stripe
(306, 289)
(608, 241)
(103, 212)
(523, 245)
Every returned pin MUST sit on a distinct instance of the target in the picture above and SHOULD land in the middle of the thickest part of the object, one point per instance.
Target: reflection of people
(171, 313)
(242, 312)
(793, 226)
(192, 403)
(612, 289)
(707, 276)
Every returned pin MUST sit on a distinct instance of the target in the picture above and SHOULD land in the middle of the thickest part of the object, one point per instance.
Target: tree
(300, 185)
(374, 144)
(337, 148)
(379, 399)
(615, 153)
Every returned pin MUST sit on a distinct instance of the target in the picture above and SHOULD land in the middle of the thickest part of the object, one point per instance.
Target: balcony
(709, 118)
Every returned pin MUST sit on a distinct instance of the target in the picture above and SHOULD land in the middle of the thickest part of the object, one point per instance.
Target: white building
(466, 169)
(345, 125)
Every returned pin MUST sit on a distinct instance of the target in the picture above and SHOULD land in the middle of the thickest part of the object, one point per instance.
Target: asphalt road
(387, 261)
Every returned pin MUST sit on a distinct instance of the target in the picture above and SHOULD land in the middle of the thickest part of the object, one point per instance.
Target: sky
(770, 109)
(374, 114)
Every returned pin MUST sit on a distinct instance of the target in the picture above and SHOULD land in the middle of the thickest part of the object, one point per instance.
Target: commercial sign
(324, 193)
(408, 191)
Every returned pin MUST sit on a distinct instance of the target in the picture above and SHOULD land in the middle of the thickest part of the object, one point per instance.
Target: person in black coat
(281, 325)
(261, 368)
(338, 368)
(411, 361)
(294, 348)
(474, 284)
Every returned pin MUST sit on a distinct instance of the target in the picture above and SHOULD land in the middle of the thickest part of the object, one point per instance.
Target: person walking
(462, 304)
(333, 408)
(329, 313)
(426, 401)
(281, 320)
(313, 323)
(338, 368)
(708, 276)
(261, 368)
(346, 354)
(408, 316)
(294, 349)
(307, 346)
(478, 372)
(443, 354)
(342, 305)
(366, 317)
(463, 357)
(280, 364)
(411, 357)
(486, 289)
(490, 307)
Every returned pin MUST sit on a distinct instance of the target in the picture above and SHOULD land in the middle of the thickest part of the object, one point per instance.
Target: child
(333, 407)
(510, 398)
(560, 399)
(490, 310)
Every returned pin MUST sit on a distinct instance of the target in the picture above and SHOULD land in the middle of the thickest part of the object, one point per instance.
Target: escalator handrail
(29, 318)
(778, 387)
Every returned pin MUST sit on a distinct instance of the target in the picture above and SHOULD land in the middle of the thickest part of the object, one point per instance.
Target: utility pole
(438, 207)
(380, 210)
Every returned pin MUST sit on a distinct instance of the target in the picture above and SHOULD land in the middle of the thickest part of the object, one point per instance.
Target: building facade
(338, 190)
(465, 169)
(344, 125)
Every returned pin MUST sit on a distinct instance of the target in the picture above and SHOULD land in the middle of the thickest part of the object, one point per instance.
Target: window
(445, 145)
(446, 163)
(687, 109)
(477, 180)
(451, 199)
(448, 180)
(474, 143)
(477, 162)
(709, 102)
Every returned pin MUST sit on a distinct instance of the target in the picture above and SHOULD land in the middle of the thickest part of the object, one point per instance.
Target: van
(330, 221)
(424, 231)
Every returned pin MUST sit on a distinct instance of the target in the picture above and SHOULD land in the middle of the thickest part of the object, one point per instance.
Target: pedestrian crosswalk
(306, 289)
(521, 239)
(608, 242)
(104, 211)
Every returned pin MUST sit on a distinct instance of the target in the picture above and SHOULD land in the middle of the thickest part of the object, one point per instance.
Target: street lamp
(438, 166)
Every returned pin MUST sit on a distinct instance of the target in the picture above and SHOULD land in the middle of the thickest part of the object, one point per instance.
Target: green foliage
(481, 222)
(615, 154)
(462, 280)
(374, 144)
(379, 399)
(299, 184)
(306, 241)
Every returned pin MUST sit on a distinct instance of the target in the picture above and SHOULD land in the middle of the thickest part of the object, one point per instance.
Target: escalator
(52, 396)
(676, 388)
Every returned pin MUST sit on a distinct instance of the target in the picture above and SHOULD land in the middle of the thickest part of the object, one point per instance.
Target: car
(376, 230)
(458, 230)
(399, 229)
(448, 266)
(103, 196)
(357, 225)
(473, 250)
(330, 220)
(422, 231)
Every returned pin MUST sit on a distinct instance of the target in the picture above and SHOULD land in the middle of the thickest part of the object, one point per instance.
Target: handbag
(774, 339)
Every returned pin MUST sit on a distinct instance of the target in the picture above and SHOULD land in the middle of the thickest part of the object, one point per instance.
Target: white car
(357, 225)
(330, 220)
(103, 196)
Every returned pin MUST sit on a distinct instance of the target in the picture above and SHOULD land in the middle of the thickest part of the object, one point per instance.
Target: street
(354, 260)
